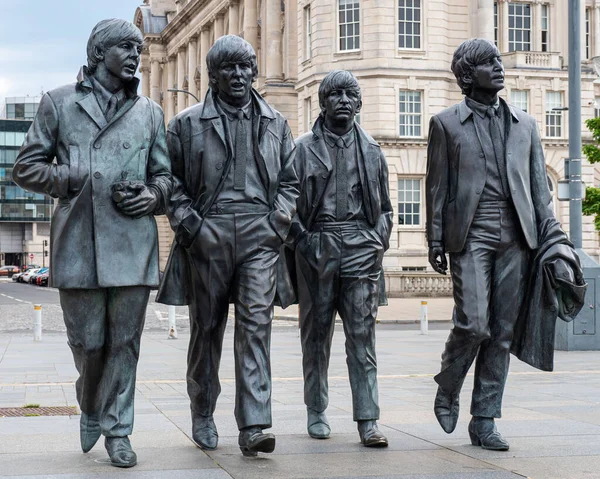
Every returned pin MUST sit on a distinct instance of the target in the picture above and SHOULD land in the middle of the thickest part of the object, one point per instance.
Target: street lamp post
(177, 90)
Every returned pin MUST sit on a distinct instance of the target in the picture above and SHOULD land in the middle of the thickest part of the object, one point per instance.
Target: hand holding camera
(133, 197)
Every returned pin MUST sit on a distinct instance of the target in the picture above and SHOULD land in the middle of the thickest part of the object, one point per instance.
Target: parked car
(24, 278)
(34, 276)
(9, 270)
(42, 279)
(17, 276)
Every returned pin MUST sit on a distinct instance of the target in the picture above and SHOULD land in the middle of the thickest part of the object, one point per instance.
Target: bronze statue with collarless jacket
(340, 233)
(111, 175)
(490, 208)
(234, 197)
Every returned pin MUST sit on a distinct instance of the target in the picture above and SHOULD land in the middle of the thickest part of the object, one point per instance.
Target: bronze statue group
(260, 219)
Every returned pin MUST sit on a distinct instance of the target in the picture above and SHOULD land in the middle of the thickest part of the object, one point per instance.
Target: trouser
(338, 267)
(489, 278)
(233, 256)
(104, 327)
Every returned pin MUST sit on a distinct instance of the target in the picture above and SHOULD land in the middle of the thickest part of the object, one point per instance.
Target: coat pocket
(75, 169)
(142, 164)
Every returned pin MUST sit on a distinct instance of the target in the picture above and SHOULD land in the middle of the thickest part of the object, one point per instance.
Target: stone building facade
(400, 50)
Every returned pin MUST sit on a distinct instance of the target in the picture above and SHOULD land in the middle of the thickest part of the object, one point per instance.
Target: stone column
(536, 27)
(482, 19)
(502, 26)
(218, 26)
(181, 97)
(274, 64)
(234, 18)
(204, 46)
(595, 31)
(251, 23)
(155, 81)
(192, 71)
(145, 71)
(170, 84)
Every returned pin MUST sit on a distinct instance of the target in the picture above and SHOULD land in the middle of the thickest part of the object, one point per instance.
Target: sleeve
(159, 166)
(384, 224)
(284, 205)
(436, 182)
(34, 169)
(184, 219)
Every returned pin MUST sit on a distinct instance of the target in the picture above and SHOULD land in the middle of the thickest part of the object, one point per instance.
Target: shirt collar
(103, 95)
(231, 111)
(331, 138)
(480, 108)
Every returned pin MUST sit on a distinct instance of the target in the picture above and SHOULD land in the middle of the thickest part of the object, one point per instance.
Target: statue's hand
(437, 259)
(144, 203)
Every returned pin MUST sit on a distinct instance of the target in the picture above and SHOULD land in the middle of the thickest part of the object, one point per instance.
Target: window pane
(409, 24)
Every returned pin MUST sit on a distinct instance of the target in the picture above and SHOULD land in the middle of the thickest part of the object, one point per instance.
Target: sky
(43, 42)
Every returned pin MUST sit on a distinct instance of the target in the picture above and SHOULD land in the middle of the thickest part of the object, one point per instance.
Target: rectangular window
(597, 107)
(520, 99)
(496, 23)
(307, 114)
(587, 33)
(409, 201)
(545, 28)
(410, 113)
(519, 27)
(307, 33)
(349, 24)
(553, 116)
(409, 24)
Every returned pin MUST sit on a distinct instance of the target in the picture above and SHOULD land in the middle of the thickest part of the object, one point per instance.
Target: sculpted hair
(229, 49)
(335, 80)
(467, 56)
(106, 34)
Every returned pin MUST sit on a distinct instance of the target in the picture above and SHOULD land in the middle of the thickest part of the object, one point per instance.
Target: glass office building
(21, 107)
(24, 216)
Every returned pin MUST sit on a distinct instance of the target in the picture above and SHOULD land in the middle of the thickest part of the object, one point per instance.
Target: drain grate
(38, 411)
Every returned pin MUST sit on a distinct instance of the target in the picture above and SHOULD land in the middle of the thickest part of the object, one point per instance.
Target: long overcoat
(201, 161)
(72, 153)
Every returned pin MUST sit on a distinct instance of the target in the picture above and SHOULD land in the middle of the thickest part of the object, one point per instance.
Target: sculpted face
(234, 82)
(341, 106)
(489, 76)
(122, 60)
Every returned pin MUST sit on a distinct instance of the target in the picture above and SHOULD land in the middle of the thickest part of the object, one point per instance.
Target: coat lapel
(89, 104)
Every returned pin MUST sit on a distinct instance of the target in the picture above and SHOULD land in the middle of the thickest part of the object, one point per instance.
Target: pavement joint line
(299, 378)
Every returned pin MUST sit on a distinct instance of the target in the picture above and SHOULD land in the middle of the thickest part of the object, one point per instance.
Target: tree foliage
(591, 203)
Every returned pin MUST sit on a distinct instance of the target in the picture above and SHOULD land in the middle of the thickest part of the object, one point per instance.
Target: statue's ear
(359, 106)
(99, 53)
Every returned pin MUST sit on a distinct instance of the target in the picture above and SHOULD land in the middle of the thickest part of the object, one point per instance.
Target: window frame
(522, 5)
(420, 23)
(520, 91)
(306, 13)
(339, 28)
(549, 113)
(420, 213)
(410, 114)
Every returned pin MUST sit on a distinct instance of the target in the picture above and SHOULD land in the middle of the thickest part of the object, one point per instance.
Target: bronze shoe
(370, 435)
(120, 452)
(483, 432)
(317, 424)
(252, 441)
(89, 431)
(204, 432)
(446, 409)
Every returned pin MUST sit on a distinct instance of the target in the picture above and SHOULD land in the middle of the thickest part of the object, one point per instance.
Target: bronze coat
(201, 160)
(92, 243)
(456, 175)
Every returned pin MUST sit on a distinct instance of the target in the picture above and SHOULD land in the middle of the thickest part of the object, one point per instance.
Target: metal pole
(424, 319)
(575, 186)
(177, 90)
(37, 322)
(172, 323)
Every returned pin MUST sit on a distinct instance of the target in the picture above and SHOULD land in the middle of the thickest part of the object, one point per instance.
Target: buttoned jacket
(456, 175)
(73, 154)
(201, 160)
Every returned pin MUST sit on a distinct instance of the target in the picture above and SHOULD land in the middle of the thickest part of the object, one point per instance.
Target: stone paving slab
(552, 420)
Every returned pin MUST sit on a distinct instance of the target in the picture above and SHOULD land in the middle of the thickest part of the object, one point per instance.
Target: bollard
(424, 321)
(172, 323)
(37, 322)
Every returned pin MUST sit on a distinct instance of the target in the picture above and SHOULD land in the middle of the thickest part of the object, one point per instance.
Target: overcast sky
(43, 42)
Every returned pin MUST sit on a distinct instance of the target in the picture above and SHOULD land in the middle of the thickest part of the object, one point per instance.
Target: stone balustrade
(405, 284)
(547, 60)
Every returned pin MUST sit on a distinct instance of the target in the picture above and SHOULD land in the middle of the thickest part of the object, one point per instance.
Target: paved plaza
(552, 420)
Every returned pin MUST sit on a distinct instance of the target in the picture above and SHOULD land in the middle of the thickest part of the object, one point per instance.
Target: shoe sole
(475, 441)
(123, 465)
(317, 436)
(203, 446)
(378, 444)
(267, 445)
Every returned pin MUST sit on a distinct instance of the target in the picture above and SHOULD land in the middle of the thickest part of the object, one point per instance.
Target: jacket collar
(464, 112)
(84, 82)
(210, 110)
